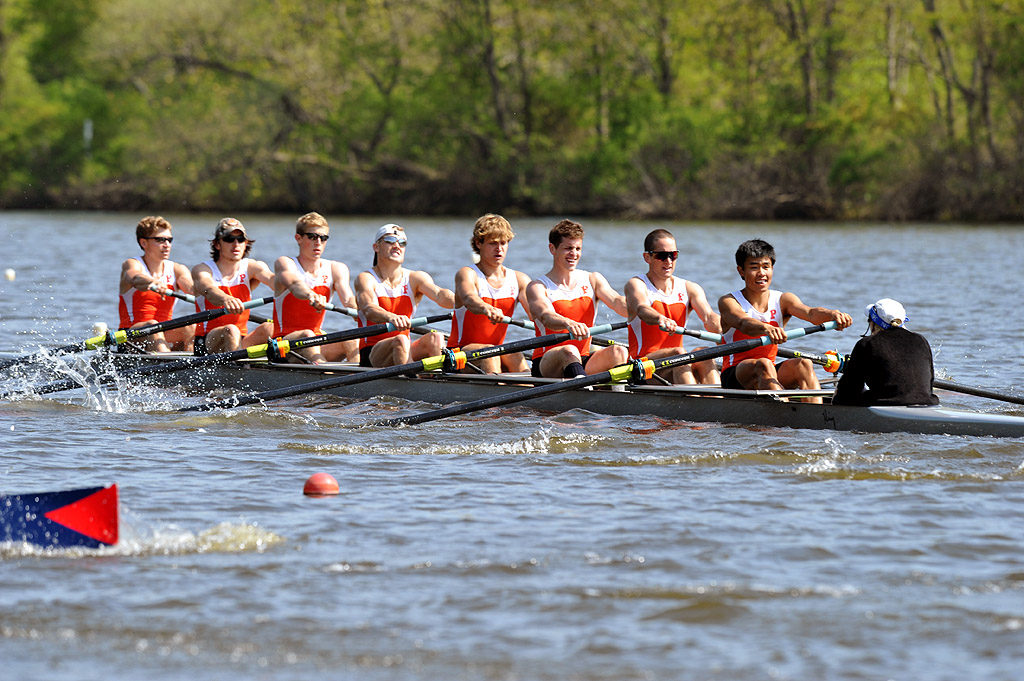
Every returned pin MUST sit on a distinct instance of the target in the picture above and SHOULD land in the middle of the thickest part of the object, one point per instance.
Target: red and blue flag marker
(84, 517)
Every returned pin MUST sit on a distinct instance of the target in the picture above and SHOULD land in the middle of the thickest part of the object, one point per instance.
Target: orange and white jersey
(136, 306)
(772, 316)
(237, 285)
(675, 304)
(293, 314)
(469, 327)
(577, 302)
(397, 300)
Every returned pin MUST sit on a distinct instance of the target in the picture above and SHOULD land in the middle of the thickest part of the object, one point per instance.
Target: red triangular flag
(94, 516)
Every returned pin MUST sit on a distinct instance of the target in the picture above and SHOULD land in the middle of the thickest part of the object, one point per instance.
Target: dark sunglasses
(160, 239)
(233, 239)
(392, 239)
(313, 236)
(664, 255)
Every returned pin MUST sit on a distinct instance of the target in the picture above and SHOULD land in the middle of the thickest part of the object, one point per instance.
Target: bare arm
(638, 305)
(183, 278)
(699, 303)
(205, 286)
(792, 306)
(423, 285)
(133, 276)
(733, 317)
(339, 271)
(261, 274)
(288, 278)
(467, 295)
(541, 310)
(369, 307)
(607, 295)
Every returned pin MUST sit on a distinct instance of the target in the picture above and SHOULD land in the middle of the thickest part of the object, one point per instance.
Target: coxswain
(486, 293)
(758, 310)
(303, 287)
(889, 365)
(389, 293)
(565, 299)
(658, 304)
(146, 286)
(226, 281)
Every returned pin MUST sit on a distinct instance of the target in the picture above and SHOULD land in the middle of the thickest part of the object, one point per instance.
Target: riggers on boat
(684, 403)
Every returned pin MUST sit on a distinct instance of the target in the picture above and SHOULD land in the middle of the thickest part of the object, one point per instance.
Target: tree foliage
(900, 109)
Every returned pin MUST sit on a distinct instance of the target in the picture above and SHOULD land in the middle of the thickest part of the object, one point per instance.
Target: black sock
(573, 369)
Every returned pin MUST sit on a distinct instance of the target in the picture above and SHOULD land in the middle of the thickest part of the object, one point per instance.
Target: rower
(226, 281)
(303, 287)
(658, 303)
(147, 284)
(565, 299)
(486, 293)
(894, 362)
(758, 310)
(389, 293)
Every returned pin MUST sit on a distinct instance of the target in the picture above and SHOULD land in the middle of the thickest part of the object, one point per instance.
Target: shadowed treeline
(895, 109)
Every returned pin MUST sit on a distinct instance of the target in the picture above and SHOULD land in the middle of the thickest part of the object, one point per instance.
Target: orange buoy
(321, 485)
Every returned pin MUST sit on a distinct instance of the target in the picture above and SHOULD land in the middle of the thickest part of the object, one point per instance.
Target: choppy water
(522, 547)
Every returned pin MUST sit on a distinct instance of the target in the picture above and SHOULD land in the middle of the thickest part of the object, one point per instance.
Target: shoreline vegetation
(897, 110)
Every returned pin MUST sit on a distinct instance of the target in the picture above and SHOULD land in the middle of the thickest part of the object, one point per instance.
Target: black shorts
(364, 356)
(729, 377)
(535, 366)
(199, 346)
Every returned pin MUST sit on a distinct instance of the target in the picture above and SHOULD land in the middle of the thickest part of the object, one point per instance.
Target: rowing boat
(686, 403)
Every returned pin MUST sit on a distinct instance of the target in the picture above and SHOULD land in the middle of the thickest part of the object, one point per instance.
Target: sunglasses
(313, 236)
(160, 239)
(392, 239)
(664, 255)
(233, 239)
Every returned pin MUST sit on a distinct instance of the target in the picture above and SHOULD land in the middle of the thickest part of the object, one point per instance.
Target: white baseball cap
(385, 230)
(886, 313)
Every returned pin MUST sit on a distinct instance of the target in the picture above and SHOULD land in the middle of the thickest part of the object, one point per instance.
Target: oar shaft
(977, 392)
(618, 373)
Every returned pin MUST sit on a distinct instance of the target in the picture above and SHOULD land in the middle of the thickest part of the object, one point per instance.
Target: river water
(516, 545)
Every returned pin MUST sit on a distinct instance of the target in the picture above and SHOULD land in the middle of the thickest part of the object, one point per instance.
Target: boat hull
(685, 403)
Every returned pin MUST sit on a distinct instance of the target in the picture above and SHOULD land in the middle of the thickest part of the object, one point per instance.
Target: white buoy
(99, 328)
(9, 273)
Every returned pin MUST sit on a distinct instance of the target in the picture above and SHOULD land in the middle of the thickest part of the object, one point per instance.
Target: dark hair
(754, 248)
(150, 225)
(566, 229)
(654, 236)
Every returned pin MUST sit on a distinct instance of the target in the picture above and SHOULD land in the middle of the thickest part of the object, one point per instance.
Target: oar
(73, 518)
(450, 360)
(831, 361)
(977, 392)
(176, 294)
(125, 335)
(637, 370)
(281, 347)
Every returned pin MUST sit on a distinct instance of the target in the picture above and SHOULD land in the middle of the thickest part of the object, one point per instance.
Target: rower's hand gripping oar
(279, 347)
(124, 335)
(450, 361)
(636, 370)
(175, 294)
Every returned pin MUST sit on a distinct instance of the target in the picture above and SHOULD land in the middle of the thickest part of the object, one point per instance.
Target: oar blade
(85, 518)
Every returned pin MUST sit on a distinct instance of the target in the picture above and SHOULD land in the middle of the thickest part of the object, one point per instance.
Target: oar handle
(699, 333)
(175, 294)
(351, 312)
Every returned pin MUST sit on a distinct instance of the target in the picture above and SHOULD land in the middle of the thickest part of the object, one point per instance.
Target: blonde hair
(312, 219)
(490, 226)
